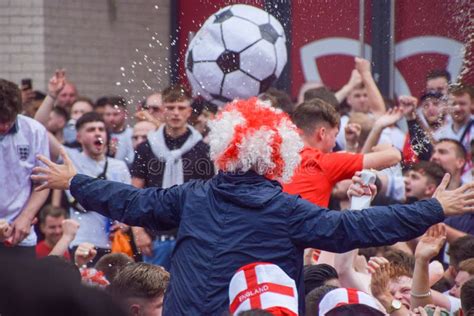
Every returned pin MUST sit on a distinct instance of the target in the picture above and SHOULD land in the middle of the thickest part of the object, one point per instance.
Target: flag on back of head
(264, 286)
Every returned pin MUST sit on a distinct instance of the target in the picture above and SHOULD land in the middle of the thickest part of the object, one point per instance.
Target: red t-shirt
(43, 250)
(319, 172)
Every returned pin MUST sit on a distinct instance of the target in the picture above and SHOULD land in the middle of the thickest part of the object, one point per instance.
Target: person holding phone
(27, 93)
(241, 215)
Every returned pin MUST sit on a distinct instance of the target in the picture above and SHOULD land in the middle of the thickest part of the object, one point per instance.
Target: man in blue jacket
(242, 216)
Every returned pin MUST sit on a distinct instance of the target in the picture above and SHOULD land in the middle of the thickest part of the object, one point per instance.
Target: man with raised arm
(320, 168)
(241, 215)
(362, 96)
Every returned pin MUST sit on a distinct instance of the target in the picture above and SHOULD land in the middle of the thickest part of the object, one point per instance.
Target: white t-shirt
(18, 150)
(69, 131)
(447, 131)
(93, 226)
(124, 145)
(395, 183)
(394, 136)
(341, 136)
(454, 303)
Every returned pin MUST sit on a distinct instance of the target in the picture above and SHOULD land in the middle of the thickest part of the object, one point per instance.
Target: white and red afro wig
(253, 135)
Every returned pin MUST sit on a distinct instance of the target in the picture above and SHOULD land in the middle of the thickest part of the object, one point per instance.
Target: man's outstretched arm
(311, 226)
(153, 208)
(157, 209)
(339, 232)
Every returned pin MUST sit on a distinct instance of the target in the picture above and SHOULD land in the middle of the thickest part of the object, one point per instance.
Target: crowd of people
(124, 249)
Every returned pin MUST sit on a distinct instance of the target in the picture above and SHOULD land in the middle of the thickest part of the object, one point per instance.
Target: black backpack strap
(103, 174)
(73, 202)
(466, 130)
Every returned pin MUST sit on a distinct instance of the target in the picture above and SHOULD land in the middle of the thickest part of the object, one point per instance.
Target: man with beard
(461, 104)
(61, 94)
(115, 118)
(67, 96)
(432, 106)
(241, 215)
(438, 80)
(423, 121)
(57, 122)
(451, 155)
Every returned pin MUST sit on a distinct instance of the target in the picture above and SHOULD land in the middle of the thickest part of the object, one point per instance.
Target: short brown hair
(322, 93)
(50, 210)
(176, 93)
(401, 263)
(459, 147)
(59, 111)
(10, 101)
(459, 90)
(86, 100)
(467, 266)
(431, 170)
(88, 117)
(141, 280)
(439, 73)
(116, 100)
(112, 263)
(467, 297)
(460, 250)
(309, 114)
(280, 100)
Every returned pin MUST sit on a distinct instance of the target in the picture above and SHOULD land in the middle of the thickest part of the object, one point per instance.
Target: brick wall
(106, 46)
(21, 41)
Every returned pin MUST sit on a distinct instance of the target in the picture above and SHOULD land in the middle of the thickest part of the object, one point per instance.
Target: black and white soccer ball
(238, 53)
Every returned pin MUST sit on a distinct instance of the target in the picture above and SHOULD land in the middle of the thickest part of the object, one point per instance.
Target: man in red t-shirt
(51, 225)
(320, 168)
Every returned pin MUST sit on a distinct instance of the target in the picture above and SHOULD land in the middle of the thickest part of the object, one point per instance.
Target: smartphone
(26, 84)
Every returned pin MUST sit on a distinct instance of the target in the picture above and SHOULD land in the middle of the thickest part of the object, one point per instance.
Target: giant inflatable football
(238, 53)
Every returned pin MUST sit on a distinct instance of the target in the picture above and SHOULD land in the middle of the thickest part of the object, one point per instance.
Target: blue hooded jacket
(235, 219)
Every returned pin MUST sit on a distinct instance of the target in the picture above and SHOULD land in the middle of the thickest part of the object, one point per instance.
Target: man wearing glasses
(152, 110)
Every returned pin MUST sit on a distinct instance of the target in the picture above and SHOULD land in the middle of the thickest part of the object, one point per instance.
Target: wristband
(428, 294)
